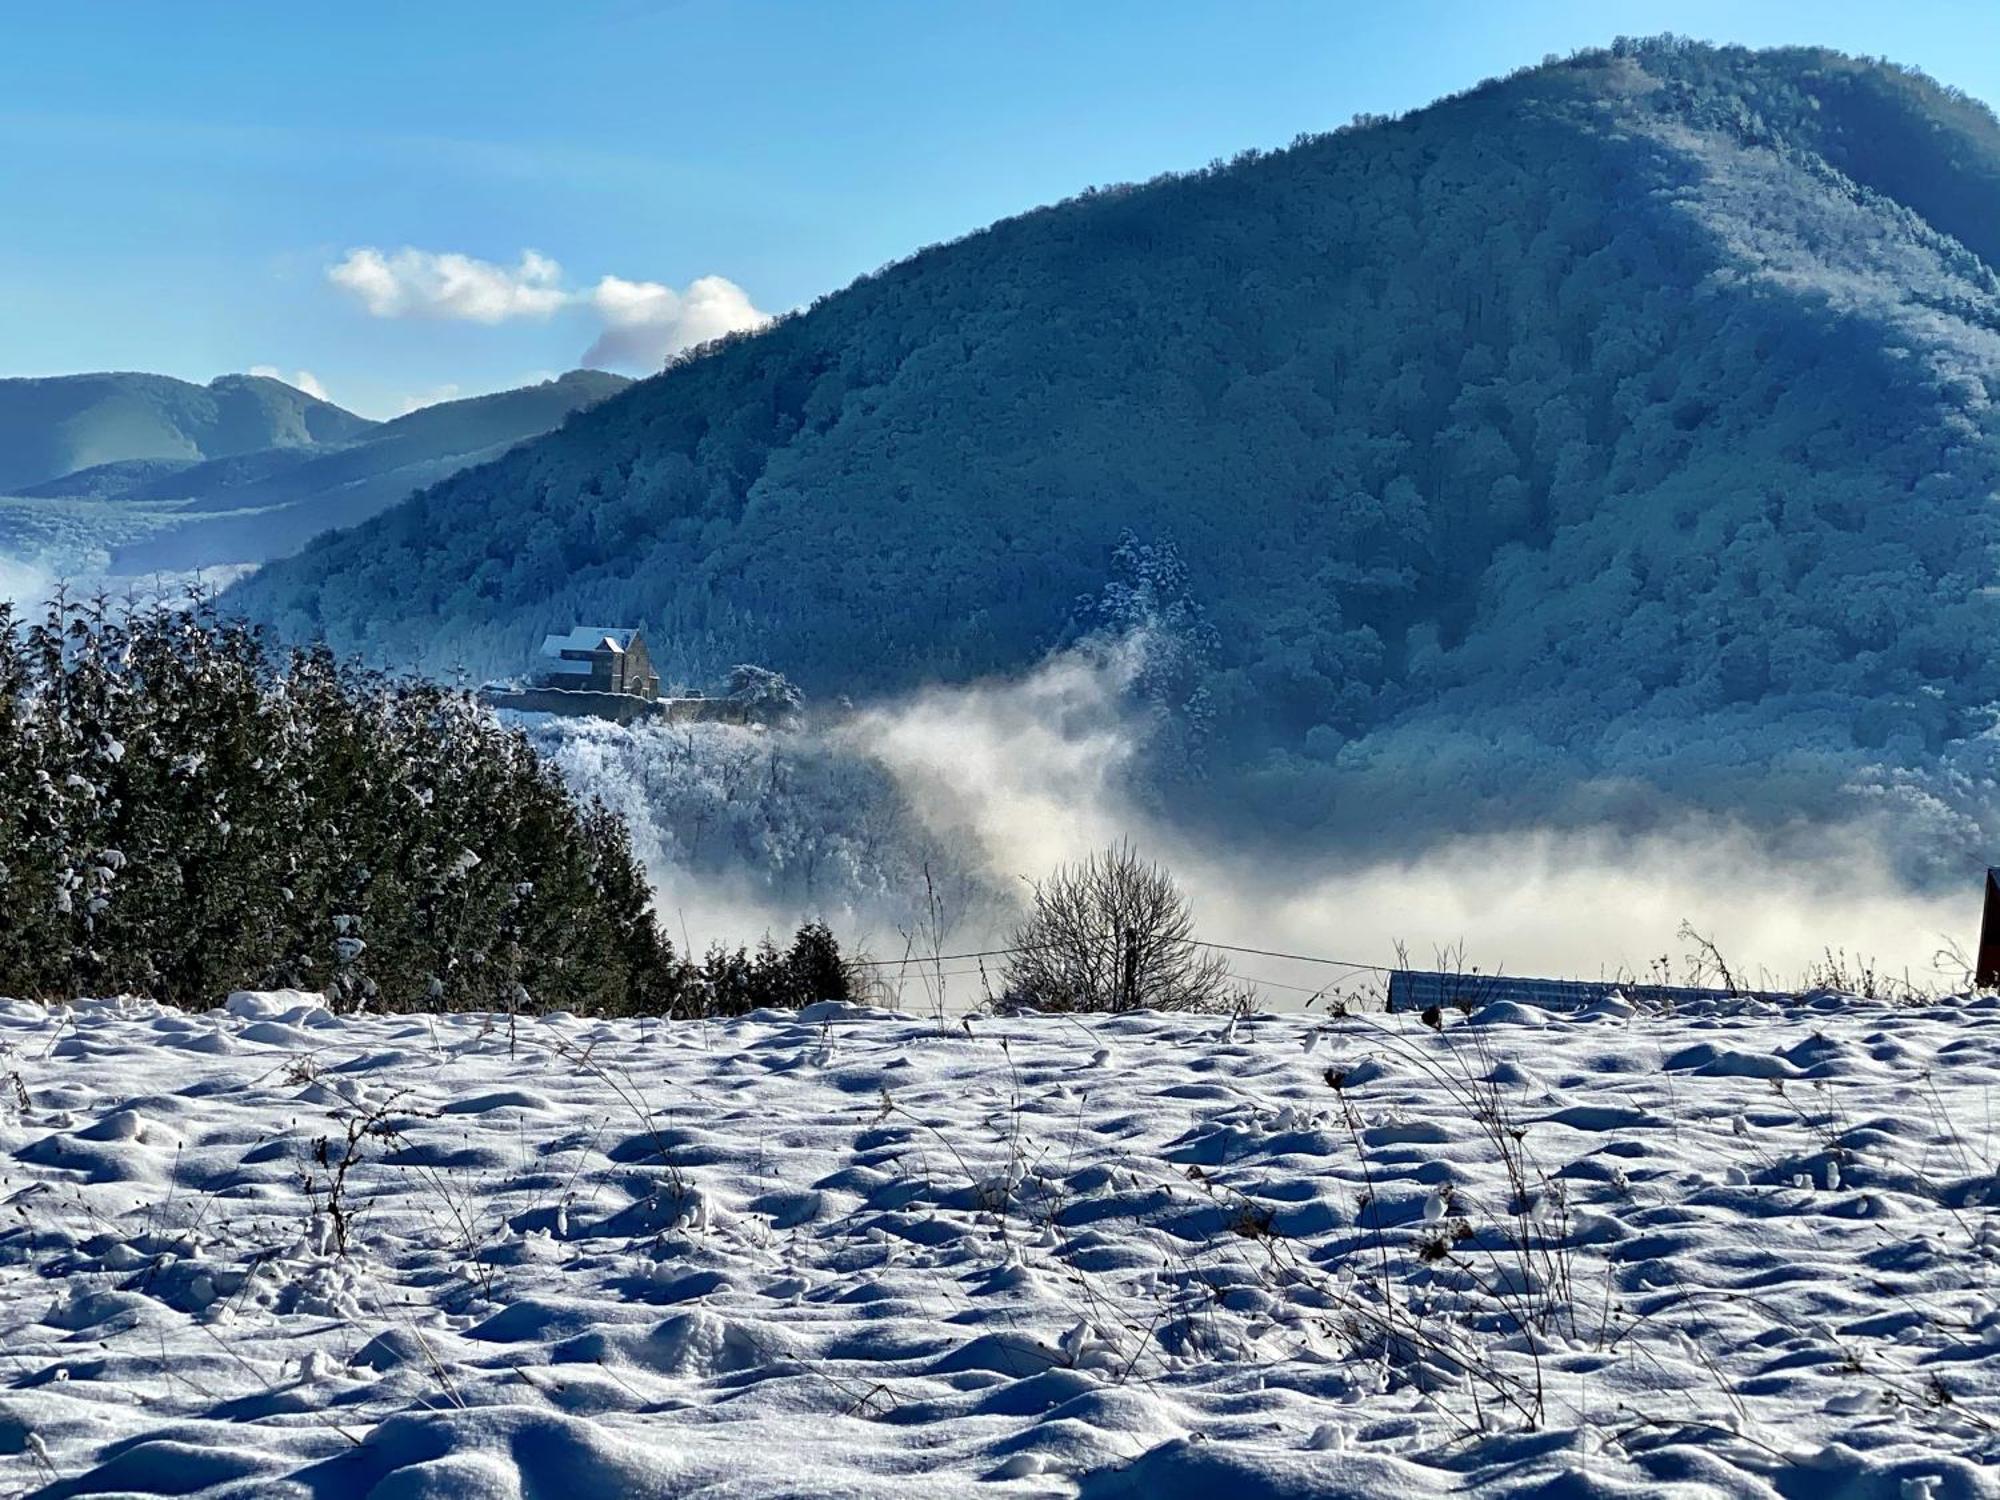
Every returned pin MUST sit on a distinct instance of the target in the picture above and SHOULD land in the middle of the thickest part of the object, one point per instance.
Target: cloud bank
(25, 583)
(953, 800)
(641, 324)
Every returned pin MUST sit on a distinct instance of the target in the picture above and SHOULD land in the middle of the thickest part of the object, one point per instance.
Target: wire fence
(947, 958)
(925, 967)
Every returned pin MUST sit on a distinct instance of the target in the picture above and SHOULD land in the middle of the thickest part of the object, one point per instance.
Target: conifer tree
(184, 812)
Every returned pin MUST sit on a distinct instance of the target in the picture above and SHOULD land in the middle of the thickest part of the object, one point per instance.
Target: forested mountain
(137, 516)
(58, 425)
(1633, 415)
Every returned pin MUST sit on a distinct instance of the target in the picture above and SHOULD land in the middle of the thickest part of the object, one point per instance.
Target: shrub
(734, 983)
(1109, 934)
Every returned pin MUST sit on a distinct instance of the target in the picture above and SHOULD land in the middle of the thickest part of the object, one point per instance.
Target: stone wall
(620, 708)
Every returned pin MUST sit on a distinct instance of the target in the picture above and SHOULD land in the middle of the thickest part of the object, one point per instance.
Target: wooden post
(1986, 974)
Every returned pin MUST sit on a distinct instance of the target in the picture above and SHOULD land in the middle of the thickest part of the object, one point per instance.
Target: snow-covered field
(1745, 1252)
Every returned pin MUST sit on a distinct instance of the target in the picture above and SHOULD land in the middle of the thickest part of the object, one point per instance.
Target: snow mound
(273, 1005)
(503, 1452)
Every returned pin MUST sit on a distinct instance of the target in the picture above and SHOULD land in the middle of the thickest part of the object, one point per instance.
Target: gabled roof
(588, 638)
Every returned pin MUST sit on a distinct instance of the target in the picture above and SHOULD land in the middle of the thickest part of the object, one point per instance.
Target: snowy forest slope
(1632, 415)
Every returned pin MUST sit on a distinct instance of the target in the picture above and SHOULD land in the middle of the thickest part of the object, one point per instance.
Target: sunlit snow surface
(851, 1253)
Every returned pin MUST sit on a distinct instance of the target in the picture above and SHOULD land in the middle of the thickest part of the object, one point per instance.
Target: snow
(1746, 1250)
(587, 638)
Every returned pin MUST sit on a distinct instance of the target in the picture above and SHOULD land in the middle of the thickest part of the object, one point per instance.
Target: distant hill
(1633, 417)
(283, 498)
(55, 426)
(136, 516)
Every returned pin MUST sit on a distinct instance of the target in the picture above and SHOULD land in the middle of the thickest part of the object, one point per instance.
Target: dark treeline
(184, 811)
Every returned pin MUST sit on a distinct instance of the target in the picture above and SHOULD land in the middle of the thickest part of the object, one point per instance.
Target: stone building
(590, 659)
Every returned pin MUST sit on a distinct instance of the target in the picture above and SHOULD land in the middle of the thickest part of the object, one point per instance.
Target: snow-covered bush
(766, 697)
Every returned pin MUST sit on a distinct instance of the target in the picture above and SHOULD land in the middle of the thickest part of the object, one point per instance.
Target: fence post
(1986, 973)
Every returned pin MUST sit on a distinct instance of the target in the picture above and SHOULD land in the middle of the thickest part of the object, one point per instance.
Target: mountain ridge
(1635, 405)
(58, 424)
(149, 515)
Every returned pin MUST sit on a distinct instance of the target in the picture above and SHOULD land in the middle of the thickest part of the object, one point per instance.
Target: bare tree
(1113, 933)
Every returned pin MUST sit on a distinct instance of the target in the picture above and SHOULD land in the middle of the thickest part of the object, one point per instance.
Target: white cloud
(646, 323)
(412, 283)
(449, 391)
(641, 324)
(298, 380)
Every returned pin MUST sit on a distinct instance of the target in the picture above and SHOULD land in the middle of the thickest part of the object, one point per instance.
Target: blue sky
(186, 184)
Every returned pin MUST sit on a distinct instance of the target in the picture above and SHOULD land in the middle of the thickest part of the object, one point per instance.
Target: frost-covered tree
(801, 825)
(1148, 616)
(766, 697)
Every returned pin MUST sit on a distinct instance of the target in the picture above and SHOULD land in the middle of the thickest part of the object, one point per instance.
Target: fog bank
(917, 826)
(1024, 775)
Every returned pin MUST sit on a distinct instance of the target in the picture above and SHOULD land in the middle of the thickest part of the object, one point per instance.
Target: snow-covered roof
(587, 638)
